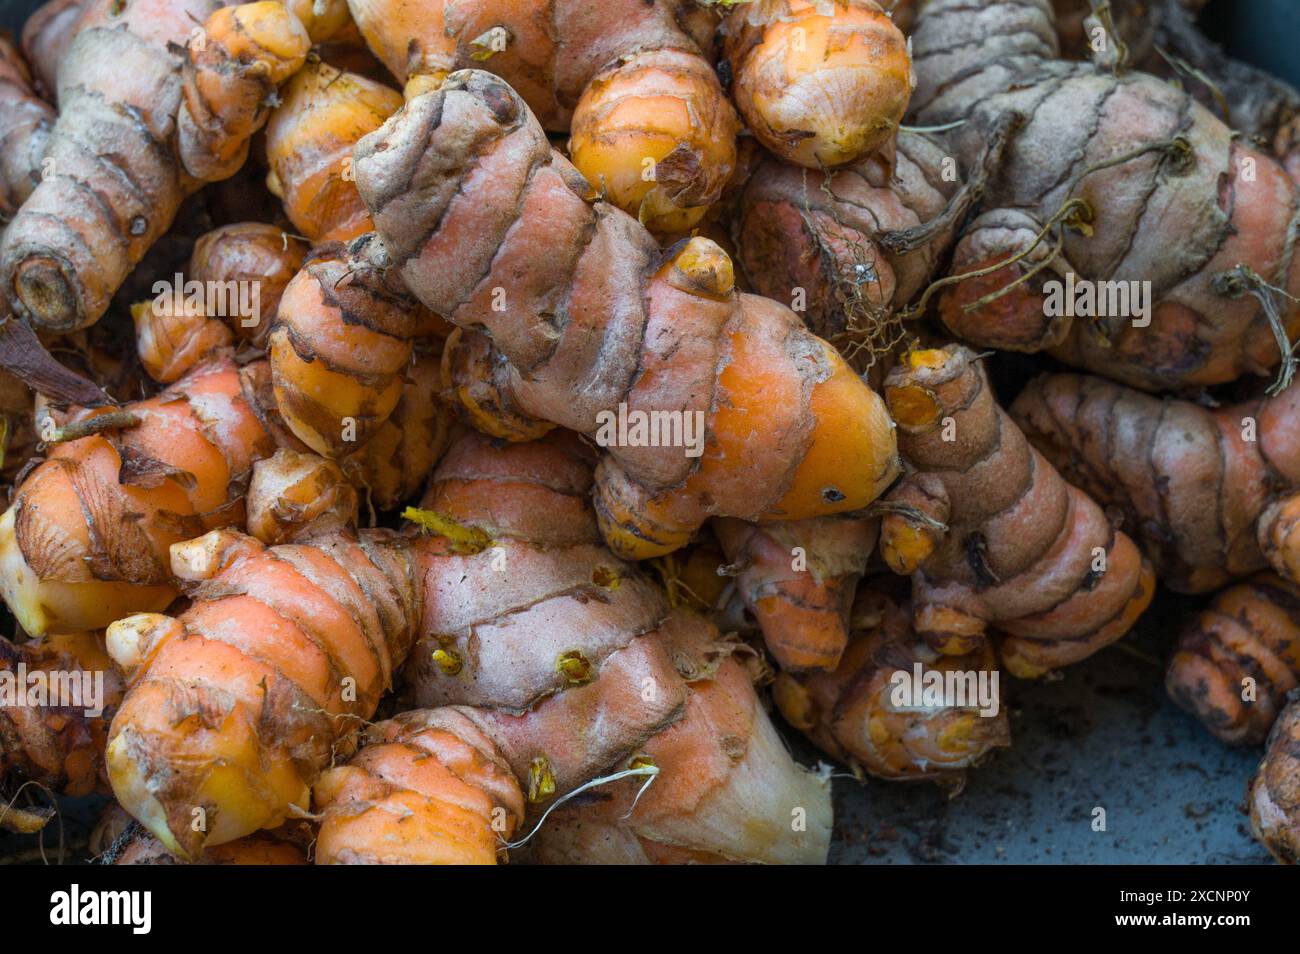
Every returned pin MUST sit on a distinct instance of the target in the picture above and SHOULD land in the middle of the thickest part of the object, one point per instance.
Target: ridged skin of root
(295, 496)
(727, 790)
(1189, 204)
(819, 91)
(249, 254)
(545, 633)
(1274, 795)
(241, 272)
(791, 234)
(46, 35)
(798, 578)
(1251, 631)
(1203, 489)
(135, 107)
(850, 713)
(60, 747)
(1023, 551)
(322, 114)
(657, 134)
(1162, 38)
(172, 340)
(553, 48)
(86, 539)
(236, 706)
(138, 846)
(249, 50)
(427, 788)
(25, 124)
(466, 174)
(396, 461)
(339, 349)
(1278, 533)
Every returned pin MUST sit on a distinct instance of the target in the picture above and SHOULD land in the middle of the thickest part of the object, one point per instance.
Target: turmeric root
(1275, 792)
(726, 791)
(309, 142)
(650, 123)
(236, 277)
(393, 465)
(340, 345)
(429, 788)
(85, 540)
(859, 715)
(25, 124)
(552, 660)
(819, 240)
(137, 846)
(798, 578)
(544, 643)
(174, 335)
(1206, 491)
(725, 787)
(254, 256)
(1115, 178)
(990, 532)
(54, 740)
(819, 84)
(46, 35)
(144, 120)
(296, 496)
(237, 705)
(1160, 37)
(1235, 663)
(543, 631)
(607, 326)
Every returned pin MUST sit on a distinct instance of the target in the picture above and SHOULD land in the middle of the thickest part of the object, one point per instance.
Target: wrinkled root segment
(429, 787)
(1278, 531)
(995, 539)
(856, 715)
(1030, 658)
(1249, 636)
(1275, 793)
